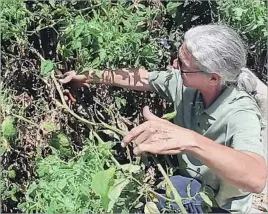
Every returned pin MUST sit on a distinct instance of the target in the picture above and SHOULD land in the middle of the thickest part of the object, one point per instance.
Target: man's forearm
(135, 79)
(242, 169)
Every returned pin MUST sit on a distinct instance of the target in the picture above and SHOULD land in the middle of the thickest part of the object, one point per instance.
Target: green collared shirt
(233, 120)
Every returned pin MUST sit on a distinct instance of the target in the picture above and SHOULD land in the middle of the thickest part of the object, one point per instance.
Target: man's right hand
(77, 80)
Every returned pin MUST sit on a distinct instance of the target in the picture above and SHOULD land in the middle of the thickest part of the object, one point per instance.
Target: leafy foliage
(62, 143)
(55, 170)
(8, 129)
(79, 186)
(112, 38)
(47, 67)
(14, 20)
(249, 19)
(65, 186)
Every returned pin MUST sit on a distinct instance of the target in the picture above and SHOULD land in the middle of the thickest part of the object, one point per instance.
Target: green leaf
(79, 30)
(102, 54)
(4, 145)
(172, 7)
(168, 190)
(115, 191)
(8, 129)
(96, 62)
(150, 207)
(52, 2)
(11, 173)
(62, 143)
(101, 184)
(47, 67)
(13, 197)
(169, 116)
(205, 198)
(62, 184)
(49, 126)
(118, 102)
(32, 188)
(123, 102)
(239, 12)
(131, 168)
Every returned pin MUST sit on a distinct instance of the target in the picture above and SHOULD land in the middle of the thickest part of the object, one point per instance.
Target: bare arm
(243, 169)
(135, 79)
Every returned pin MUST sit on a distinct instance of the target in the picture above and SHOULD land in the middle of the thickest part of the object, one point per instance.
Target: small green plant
(14, 20)
(64, 187)
(81, 185)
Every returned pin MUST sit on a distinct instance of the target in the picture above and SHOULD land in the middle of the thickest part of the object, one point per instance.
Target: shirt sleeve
(244, 128)
(167, 84)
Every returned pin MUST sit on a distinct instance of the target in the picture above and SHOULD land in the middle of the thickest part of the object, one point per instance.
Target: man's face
(191, 74)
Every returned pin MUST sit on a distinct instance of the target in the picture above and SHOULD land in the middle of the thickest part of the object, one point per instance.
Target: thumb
(67, 77)
(149, 115)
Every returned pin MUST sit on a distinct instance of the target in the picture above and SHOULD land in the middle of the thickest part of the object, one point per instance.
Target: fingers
(144, 135)
(68, 73)
(144, 148)
(147, 147)
(149, 115)
(86, 84)
(81, 78)
(134, 133)
(67, 77)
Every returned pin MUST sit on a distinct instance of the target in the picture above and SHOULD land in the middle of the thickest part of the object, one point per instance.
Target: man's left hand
(159, 136)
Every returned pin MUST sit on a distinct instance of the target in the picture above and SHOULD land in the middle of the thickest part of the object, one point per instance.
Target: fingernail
(122, 144)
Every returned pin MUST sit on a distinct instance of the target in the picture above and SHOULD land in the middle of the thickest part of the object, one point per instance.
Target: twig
(65, 106)
(25, 119)
(176, 195)
(74, 114)
(161, 196)
(37, 53)
(152, 191)
(43, 28)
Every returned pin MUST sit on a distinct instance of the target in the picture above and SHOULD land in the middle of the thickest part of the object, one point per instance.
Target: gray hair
(219, 49)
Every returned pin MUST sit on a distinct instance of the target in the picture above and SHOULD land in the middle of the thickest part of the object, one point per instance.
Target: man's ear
(215, 79)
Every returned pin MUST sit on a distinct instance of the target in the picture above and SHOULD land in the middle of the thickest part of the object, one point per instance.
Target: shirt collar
(227, 96)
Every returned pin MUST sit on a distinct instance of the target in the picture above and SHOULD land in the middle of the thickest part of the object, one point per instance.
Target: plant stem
(112, 157)
(161, 196)
(65, 106)
(176, 195)
(25, 119)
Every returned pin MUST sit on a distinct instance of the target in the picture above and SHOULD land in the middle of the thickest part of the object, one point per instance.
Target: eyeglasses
(185, 71)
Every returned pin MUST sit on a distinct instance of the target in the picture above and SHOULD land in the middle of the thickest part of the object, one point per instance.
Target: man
(220, 115)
